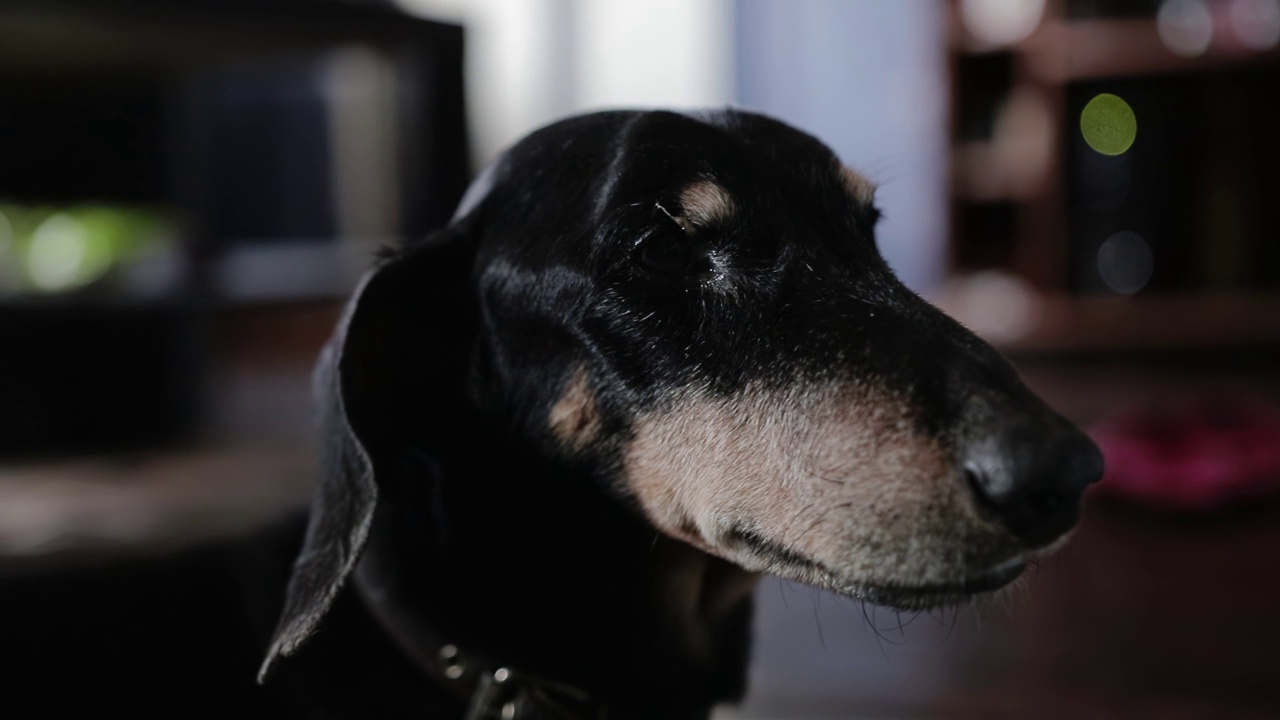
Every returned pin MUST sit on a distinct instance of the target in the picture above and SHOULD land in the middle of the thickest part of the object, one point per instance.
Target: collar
(491, 691)
(508, 694)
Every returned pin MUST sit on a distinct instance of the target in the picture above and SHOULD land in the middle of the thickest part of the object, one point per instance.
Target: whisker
(817, 621)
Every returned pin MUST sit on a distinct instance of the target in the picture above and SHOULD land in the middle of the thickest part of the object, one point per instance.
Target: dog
(653, 356)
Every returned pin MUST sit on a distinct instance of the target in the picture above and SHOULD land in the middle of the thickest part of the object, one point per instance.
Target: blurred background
(189, 188)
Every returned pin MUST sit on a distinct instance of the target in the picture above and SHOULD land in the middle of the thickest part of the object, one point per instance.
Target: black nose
(1030, 479)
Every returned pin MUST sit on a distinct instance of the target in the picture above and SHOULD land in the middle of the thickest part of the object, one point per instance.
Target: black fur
(449, 512)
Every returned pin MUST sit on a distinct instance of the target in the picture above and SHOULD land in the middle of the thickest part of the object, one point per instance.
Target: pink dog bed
(1198, 455)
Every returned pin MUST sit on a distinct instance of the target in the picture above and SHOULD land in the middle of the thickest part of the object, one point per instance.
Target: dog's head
(693, 310)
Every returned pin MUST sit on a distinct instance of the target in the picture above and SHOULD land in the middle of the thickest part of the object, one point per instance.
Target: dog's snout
(1033, 485)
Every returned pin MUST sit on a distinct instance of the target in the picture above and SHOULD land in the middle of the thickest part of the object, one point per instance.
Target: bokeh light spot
(1185, 26)
(1256, 23)
(998, 306)
(1125, 263)
(1108, 124)
(1001, 22)
(57, 253)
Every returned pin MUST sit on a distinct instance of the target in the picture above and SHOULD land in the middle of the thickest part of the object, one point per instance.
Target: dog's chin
(753, 552)
(895, 593)
(909, 596)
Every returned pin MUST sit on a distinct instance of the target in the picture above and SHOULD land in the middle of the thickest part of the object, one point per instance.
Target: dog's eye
(671, 254)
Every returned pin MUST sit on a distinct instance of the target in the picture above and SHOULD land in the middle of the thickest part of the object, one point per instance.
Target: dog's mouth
(927, 597)
(792, 565)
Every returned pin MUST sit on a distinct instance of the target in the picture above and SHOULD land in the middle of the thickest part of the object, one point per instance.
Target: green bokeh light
(1108, 124)
(49, 250)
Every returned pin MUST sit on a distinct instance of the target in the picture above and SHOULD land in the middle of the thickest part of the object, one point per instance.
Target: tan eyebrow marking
(706, 203)
(857, 185)
(575, 417)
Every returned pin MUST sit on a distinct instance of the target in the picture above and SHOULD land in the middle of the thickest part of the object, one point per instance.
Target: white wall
(532, 61)
(866, 77)
(869, 79)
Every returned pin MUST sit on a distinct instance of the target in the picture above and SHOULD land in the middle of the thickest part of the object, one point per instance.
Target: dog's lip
(788, 564)
(923, 597)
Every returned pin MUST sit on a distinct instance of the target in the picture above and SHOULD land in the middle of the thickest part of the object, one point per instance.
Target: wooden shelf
(1090, 50)
(1062, 51)
(1011, 187)
(103, 36)
(1064, 324)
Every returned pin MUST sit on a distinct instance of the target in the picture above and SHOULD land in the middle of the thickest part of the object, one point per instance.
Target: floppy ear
(390, 377)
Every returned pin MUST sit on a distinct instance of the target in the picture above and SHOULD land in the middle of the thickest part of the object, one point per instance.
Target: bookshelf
(1032, 205)
(245, 121)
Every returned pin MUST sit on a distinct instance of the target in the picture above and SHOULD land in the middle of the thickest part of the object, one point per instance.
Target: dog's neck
(523, 565)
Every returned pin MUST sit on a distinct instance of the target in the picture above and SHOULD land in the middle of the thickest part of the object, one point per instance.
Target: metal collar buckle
(506, 694)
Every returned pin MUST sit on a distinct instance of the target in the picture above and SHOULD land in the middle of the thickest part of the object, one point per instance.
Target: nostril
(980, 487)
(1032, 491)
(973, 479)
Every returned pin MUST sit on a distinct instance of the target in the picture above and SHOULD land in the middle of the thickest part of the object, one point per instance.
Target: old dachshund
(652, 356)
